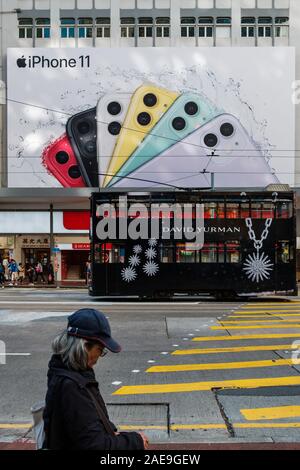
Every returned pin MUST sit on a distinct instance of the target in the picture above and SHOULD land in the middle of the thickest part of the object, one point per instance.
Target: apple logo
(21, 63)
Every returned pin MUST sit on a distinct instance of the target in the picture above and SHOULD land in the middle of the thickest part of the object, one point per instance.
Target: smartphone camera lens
(178, 123)
(90, 146)
(114, 128)
(191, 108)
(74, 172)
(150, 100)
(227, 129)
(144, 119)
(61, 157)
(210, 140)
(114, 108)
(83, 127)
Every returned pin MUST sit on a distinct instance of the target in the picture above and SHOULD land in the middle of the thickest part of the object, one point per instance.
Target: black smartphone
(82, 132)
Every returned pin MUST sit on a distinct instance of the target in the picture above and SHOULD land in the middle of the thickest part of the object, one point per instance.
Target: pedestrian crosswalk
(266, 317)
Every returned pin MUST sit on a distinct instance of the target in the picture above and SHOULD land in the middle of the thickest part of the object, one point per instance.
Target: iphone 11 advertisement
(150, 117)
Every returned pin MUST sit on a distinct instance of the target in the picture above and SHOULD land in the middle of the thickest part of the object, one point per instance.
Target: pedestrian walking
(21, 273)
(14, 271)
(29, 269)
(39, 272)
(2, 277)
(50, 271)
(75, 416)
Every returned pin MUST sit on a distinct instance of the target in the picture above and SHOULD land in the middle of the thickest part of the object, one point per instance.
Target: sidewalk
(28, 444)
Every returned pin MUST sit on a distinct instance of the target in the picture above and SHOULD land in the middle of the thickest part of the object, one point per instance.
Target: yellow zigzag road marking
(253, 327)
(242, 322)
(274, 347)
(220, 366)
(275, 412)
(239, 337)
(253, 312)
(15, 426)
(283, 316)
(206, 386)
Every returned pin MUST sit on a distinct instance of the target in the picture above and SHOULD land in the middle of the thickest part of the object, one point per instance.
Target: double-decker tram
(167, 242)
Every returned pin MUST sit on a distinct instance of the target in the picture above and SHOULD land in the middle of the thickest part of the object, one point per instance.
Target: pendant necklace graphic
(258, 265)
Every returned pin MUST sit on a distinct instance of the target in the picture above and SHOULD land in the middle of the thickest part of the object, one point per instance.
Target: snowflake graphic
(150, 253)
(150, 268)
(258, 267)
(152, 242)
(128, 274)
(137, 249)
(134, 260)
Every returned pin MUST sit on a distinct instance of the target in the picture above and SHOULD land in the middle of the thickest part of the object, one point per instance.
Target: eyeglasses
(104, 352)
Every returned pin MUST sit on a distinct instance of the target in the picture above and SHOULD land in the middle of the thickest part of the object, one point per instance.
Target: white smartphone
(111, 112)
(221, 147)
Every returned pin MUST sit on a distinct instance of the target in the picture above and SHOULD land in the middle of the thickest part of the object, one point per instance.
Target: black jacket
(70, 417)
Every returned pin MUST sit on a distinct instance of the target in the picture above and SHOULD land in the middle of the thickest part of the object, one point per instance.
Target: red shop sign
(80, 246)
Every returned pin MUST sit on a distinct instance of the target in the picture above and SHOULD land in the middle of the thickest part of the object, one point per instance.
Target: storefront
(25, 237)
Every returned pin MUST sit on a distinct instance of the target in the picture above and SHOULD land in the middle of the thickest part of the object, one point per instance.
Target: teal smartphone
(188, 112)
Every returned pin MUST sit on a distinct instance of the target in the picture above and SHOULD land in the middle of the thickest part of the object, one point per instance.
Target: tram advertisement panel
(150, 117)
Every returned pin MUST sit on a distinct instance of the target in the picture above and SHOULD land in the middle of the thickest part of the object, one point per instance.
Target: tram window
(210, 210)
(284, 210)
(245, 210)
(268, 210)
(221, 253)
(256, 210)
(232, 211)
(209, 253)
(109, 253)
(214, 210)
(284, 252)
(166, 254)
(233, 252)
(184, 254)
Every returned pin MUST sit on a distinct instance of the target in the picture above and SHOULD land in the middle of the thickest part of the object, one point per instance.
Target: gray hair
(72, 350)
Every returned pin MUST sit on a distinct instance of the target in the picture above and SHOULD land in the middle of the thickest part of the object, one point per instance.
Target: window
(162, 27)
(85, 27)
(233, 252)
(214, 210)
(25, 28)
(109, 253)
(281, 27)
(103, 27)
(145, 27)
(265, 27)
(248, 27)
(166, 253)
(284, 252)
(127, 27)
(188, 27)
(209, 253)
(284, 210)
(223, 27)
(185, 253)
(206, 24)
(232, 211)
(67, 29)
(262, 210)
(42, 29)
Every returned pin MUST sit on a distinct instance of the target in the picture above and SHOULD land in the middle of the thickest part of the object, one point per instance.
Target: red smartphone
(59, 159)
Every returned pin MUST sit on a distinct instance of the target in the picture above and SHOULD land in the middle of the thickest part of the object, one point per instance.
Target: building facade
(120, 23)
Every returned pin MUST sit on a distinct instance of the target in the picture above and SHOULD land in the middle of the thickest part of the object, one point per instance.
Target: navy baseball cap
(92, 325)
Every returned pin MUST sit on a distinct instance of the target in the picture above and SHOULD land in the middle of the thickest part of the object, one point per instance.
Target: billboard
(146, 117)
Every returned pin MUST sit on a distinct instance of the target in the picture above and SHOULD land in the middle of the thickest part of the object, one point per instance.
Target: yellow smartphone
(147, 106)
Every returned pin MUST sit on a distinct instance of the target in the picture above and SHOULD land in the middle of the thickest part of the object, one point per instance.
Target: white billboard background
(253, 84)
